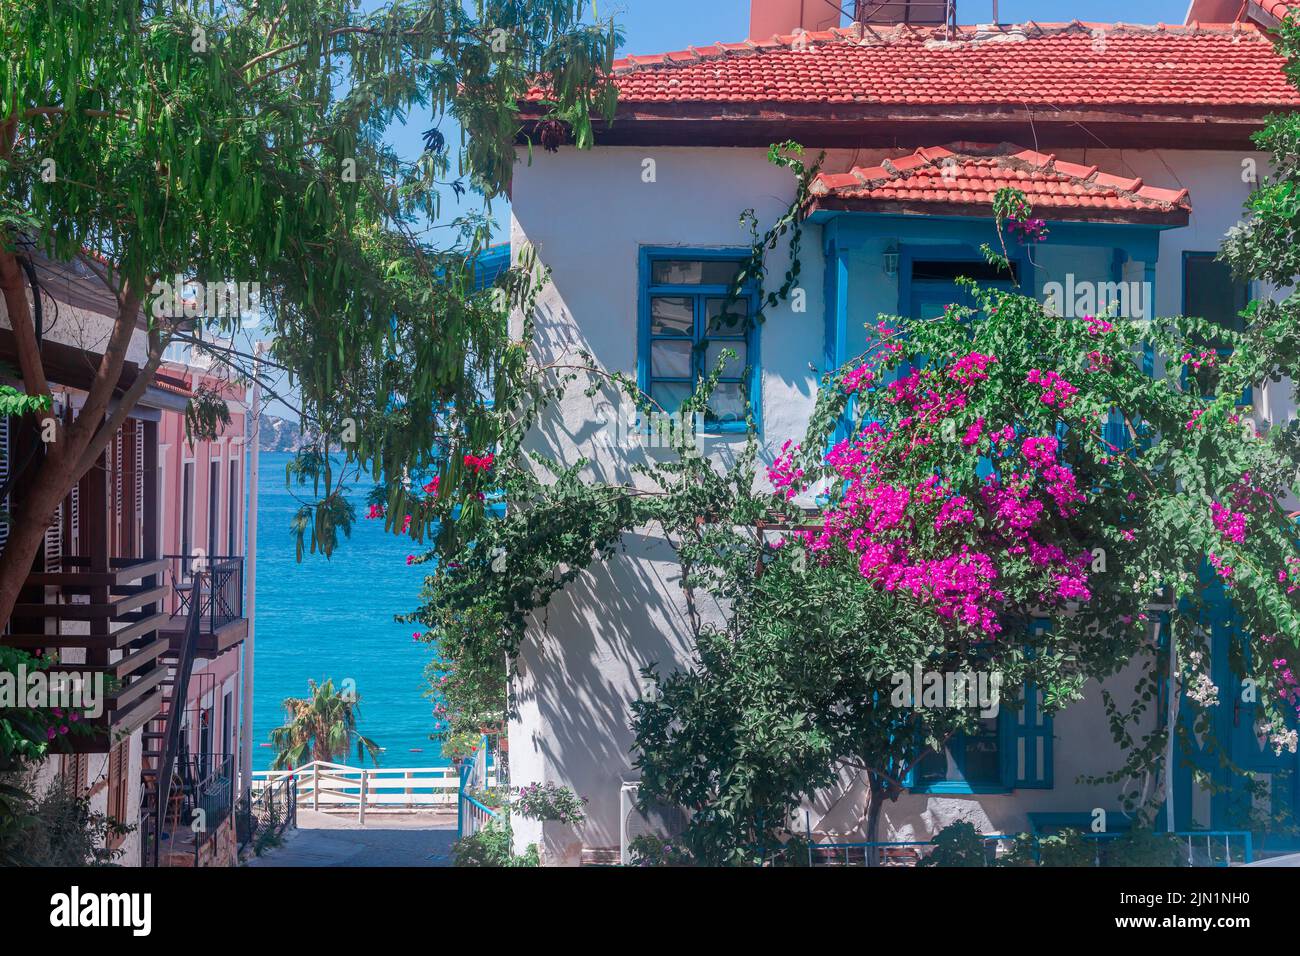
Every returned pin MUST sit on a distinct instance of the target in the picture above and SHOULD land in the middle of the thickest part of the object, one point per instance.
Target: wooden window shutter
(139, 489)
(119, 766)
(1027, 757)
(54, 542)
(74, 772)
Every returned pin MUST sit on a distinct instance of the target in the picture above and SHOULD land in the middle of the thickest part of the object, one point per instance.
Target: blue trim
(856, 228)
(646, 257)
(490, 264)
(958, 787)
(836, 335)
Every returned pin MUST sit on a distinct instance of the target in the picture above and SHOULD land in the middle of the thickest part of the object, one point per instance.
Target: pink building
(202, 492)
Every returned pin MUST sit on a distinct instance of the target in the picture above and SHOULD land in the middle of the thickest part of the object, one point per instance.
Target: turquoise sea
(334, 618)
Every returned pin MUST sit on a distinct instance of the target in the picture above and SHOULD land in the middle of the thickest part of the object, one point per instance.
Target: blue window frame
(971, 763)
(684, 325)
(1210, 291)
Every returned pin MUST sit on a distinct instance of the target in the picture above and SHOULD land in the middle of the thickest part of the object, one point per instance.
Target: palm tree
(324, 725)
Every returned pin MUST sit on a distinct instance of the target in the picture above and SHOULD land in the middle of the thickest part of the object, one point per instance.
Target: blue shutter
(1028, 759)
(1027, 739)
(1116, 433)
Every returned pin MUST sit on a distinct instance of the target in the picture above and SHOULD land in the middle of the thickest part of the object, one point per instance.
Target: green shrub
(1141, 846)
(650, 850)
(958, 844)
(491, 846)
(58, 828)
(549, 801)
(1144, 847)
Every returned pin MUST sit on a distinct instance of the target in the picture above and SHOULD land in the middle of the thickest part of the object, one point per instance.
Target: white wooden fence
(337, 788)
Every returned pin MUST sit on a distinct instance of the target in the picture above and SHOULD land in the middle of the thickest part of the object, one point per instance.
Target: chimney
(929, 13)
(768, 18)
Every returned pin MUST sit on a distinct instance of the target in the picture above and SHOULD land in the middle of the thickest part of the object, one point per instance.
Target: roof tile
(1062, 65)
(972, 173)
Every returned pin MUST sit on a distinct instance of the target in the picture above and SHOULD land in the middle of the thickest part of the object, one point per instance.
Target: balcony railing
(219, 593)
(111, 617)
(203, 799)
(209, 787)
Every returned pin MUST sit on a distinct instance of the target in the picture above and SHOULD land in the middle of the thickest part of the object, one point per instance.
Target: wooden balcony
(220, 597)
(111, 621)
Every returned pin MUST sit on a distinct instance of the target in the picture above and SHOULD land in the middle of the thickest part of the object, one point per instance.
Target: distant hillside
(277, 434)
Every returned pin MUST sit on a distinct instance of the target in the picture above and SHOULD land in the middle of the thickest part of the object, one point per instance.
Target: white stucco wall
(587, 215)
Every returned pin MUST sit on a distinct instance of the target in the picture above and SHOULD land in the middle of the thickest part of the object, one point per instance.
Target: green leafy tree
(243, 142)
(321, 726)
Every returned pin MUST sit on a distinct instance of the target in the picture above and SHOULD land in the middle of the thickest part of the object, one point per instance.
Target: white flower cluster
(1202, 690)
(1281, 740)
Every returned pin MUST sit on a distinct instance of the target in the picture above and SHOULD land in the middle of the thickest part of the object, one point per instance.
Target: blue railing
(471, 814)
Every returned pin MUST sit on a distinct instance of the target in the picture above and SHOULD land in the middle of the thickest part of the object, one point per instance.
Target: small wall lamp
(890, 262)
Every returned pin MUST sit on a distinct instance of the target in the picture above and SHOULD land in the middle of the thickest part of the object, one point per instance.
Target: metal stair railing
(172, 731)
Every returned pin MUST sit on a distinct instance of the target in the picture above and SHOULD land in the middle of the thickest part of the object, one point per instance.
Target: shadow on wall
(582, 670)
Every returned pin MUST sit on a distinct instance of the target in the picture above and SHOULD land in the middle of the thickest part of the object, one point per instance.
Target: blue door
(1272, 816)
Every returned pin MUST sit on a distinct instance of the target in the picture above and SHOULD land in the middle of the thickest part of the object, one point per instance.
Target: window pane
(983, 755)
(1212, 293)
(983, 763)
(735, 367)
(670, 395)
(694, 272)
(670, 359)
(672, 315)
(726, 318)
(727, 403)
(932, 768)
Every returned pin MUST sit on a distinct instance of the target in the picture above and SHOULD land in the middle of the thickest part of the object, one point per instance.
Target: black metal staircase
(162, 740)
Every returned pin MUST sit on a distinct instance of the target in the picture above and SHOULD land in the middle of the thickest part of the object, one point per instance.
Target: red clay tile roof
(1063, 65)
(1278, 9)
(970, 174)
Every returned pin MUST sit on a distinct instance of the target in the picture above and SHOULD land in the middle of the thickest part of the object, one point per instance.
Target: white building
(1132, 141)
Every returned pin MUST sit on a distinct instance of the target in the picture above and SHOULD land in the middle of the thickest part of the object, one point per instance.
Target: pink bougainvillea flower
(479, 464)
(1056, 391)
(860, 378)
(971, 368)
(1098, 325)
(1040, 452)
(785, 475)
(1231, 524)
